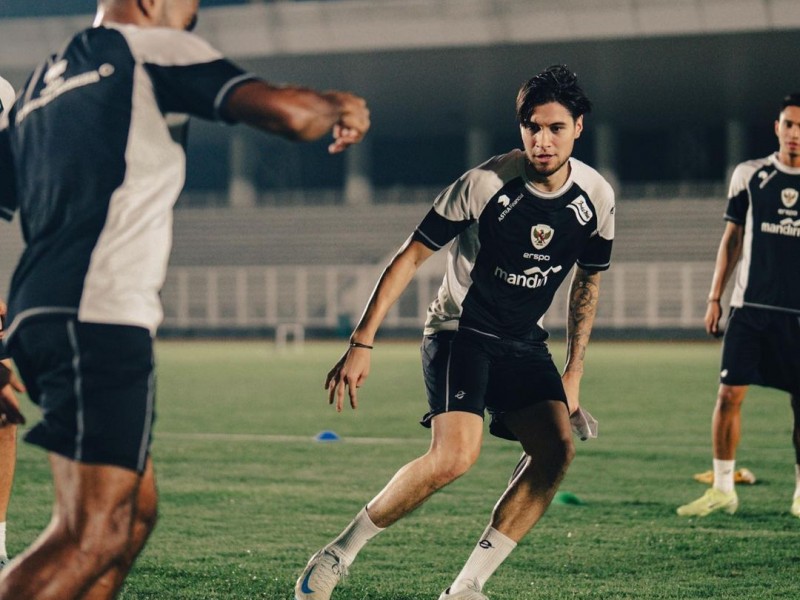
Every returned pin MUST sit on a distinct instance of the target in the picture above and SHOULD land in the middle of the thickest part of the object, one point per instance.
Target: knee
(146, 517)
(562, 453)
(452, 465)
(553, 462)
(729, 398)
(97, 540)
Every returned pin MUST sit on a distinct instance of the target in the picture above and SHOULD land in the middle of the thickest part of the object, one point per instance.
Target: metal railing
(633, 295)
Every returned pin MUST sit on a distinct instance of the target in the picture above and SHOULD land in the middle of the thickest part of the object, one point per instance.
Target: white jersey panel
(464, 200)
(129, 262)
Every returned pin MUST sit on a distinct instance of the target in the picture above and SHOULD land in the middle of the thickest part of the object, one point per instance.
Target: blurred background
(279, 238)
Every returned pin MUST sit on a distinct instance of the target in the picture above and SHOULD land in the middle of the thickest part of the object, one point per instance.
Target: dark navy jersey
(95, 170)
(514, 244)
(763, 198)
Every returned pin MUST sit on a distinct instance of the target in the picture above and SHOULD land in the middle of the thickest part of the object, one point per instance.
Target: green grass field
(247, 495)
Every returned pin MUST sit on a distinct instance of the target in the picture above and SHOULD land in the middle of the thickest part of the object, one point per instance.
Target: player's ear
(148, 8)
(578, 126)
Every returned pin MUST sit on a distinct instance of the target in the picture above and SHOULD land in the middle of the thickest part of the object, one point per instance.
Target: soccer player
(95, 175)
(10, 416)
(762, 338)
(518, 222)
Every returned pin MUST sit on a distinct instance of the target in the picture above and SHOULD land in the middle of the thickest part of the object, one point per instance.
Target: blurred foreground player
(762, 337)
(10, 416)
(95, 175)
(519, 222)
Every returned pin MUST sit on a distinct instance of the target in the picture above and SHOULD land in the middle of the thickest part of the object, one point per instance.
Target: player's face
(787, 128)
(180, 14)
(548, 137)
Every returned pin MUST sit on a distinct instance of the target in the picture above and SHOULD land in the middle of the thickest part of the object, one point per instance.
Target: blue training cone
(327, 436)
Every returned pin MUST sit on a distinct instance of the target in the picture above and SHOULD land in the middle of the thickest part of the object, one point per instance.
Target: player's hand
(353, 123)
(350, 372)
(572, 387)
(713, 316)
(9, 405)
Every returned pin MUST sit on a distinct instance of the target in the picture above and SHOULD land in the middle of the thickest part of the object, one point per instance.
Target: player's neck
(789, 159)
(549, 183)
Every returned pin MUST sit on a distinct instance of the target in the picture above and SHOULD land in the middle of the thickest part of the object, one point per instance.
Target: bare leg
(455, 446)
(8, 460)
(726, 424)
(545, 435)
(796, 429)
(144, 521)
(90, 530)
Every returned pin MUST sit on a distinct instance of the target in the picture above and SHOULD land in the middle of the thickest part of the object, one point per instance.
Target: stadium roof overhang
(442, 66)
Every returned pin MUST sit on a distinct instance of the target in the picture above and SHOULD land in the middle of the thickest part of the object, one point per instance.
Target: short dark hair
(790, 100)
(555, 84)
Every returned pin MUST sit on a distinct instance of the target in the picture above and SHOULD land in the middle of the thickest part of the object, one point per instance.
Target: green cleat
(712, 501)
(796, 507)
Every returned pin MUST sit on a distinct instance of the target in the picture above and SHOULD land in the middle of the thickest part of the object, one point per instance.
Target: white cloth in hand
(583, 424)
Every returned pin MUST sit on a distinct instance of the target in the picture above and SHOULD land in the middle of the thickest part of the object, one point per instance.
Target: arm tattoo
(583, 295)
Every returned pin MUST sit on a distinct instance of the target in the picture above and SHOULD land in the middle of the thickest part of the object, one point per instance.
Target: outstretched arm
(584, 292)
(353, 367)
(299, 113)
(730, 249)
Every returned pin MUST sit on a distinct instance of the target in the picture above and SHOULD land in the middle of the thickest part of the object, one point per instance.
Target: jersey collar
(782, 167)
(536, 191)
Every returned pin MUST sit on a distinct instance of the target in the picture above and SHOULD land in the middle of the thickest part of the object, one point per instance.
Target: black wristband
(360, 345)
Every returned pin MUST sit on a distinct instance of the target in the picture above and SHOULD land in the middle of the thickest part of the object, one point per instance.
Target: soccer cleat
(796, 507)
(322, 573)
(472, 592)
(712, 501)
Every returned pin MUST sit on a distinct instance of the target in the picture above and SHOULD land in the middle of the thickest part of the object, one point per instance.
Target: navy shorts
(762, 347)
(95, 384)
(472, 372)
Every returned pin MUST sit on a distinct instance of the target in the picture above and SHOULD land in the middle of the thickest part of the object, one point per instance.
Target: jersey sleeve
(8, 197)
(189, 76)
(435, 231)
(8, 194)
(449, 216)
(738, 196)
(596, 255)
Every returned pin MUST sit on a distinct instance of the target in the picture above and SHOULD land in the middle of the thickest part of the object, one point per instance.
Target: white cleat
(472, 592)
(322, 573)
(712, 501)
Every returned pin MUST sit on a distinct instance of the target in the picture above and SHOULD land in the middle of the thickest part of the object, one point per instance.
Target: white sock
(355, 536)
(3, 551)
(723, 475)
(797, 481)
(488, 554)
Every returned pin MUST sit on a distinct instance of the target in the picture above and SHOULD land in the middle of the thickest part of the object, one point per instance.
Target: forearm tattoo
(583, 295)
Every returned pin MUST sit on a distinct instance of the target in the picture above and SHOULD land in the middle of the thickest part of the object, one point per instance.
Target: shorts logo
(485, 544)
(789, 197)
(723, 373)
(461, 394)
(541, 235)
(581, 209)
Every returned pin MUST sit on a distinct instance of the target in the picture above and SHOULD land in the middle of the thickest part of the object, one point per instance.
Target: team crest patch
(541, 235)
(789, 197)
